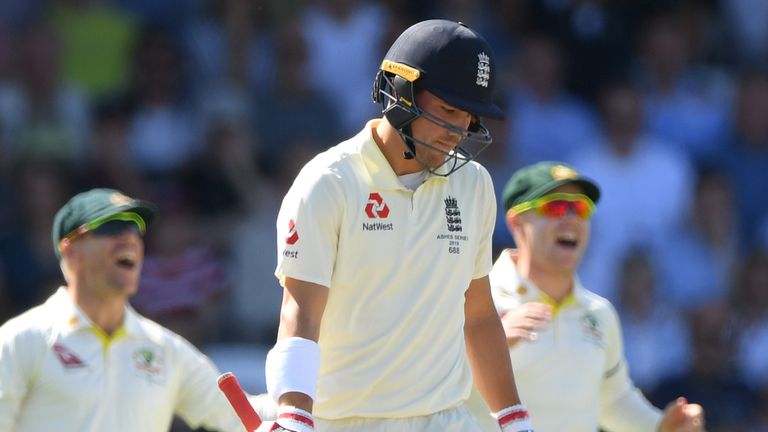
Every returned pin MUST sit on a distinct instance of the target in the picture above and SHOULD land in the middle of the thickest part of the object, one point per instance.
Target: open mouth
(127, 260)
(568, 240)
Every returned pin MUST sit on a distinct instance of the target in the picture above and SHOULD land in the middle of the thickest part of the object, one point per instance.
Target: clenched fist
(681, 416)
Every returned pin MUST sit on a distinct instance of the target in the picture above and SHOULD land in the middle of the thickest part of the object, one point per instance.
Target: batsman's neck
(392, 146)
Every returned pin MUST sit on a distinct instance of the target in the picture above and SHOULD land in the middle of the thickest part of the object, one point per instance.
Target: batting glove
(514, 419)
(289, 419)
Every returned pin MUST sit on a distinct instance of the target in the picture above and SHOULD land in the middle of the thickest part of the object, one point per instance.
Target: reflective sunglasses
(558, 205)
(111, 225)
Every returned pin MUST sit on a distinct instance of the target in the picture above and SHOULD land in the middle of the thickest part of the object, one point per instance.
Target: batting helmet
(453, 62)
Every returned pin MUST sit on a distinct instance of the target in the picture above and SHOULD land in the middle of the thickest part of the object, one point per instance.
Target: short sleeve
(484, 257)
(622, 405)
(308, 227)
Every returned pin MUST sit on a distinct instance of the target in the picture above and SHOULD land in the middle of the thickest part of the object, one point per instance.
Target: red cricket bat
(236, 396)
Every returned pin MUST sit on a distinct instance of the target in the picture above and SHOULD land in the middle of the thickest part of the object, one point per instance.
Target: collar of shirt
(380, 172)
(69, 318)
(522, 290)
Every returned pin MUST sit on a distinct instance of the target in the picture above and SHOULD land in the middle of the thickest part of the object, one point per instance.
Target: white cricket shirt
(57, 373)
(574, 376)
(397, 263)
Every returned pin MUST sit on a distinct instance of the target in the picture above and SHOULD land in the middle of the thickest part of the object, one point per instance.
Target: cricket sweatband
(293, 365)
(514, 419)
(295, 419)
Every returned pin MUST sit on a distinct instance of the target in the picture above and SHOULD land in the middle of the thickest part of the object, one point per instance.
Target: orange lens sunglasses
(558, 205)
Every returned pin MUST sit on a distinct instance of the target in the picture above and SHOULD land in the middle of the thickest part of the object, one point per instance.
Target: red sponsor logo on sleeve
(293, 235)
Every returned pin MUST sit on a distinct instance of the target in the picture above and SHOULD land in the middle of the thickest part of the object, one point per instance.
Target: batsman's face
(108, 265)
(439, 139)
(554, 243)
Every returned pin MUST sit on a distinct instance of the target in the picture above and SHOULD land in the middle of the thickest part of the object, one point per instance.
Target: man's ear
(513, 221)
(65, 247)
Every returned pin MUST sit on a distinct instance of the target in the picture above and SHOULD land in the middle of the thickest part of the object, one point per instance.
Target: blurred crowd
(209, 107)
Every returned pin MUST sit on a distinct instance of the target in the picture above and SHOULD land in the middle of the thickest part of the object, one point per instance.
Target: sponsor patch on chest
(376, 212)
(66, 357)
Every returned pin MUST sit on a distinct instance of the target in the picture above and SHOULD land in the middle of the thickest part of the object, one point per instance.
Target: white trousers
(472, 416)
(458, 419)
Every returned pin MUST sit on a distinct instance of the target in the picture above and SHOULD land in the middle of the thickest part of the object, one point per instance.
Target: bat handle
(231, 388)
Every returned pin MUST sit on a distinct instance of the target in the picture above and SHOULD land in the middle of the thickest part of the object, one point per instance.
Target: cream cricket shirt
(397, 263)
(58, 374)
(574, 376)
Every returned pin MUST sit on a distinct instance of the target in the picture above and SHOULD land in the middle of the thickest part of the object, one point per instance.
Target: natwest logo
(293, 235)
(376, 207)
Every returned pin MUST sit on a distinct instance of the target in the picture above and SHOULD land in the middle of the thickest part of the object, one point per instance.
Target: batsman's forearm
(491, 366)
(296, 399)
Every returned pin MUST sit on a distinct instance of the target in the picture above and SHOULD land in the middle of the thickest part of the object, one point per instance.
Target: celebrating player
(85, 360)
(384, 249)
(565, 341)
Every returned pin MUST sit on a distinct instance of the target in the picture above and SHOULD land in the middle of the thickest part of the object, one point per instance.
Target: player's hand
(289, 419)
(513, 419)
(525, 321)
(681, 416)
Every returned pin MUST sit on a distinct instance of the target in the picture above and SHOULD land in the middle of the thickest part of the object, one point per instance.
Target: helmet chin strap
(405, 134)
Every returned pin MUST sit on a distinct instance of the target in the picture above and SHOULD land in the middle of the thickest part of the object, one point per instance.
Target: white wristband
(514, 419)
(293, 365)
(295, 419)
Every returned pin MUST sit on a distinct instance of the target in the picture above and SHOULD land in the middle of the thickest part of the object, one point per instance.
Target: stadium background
(208, 108)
